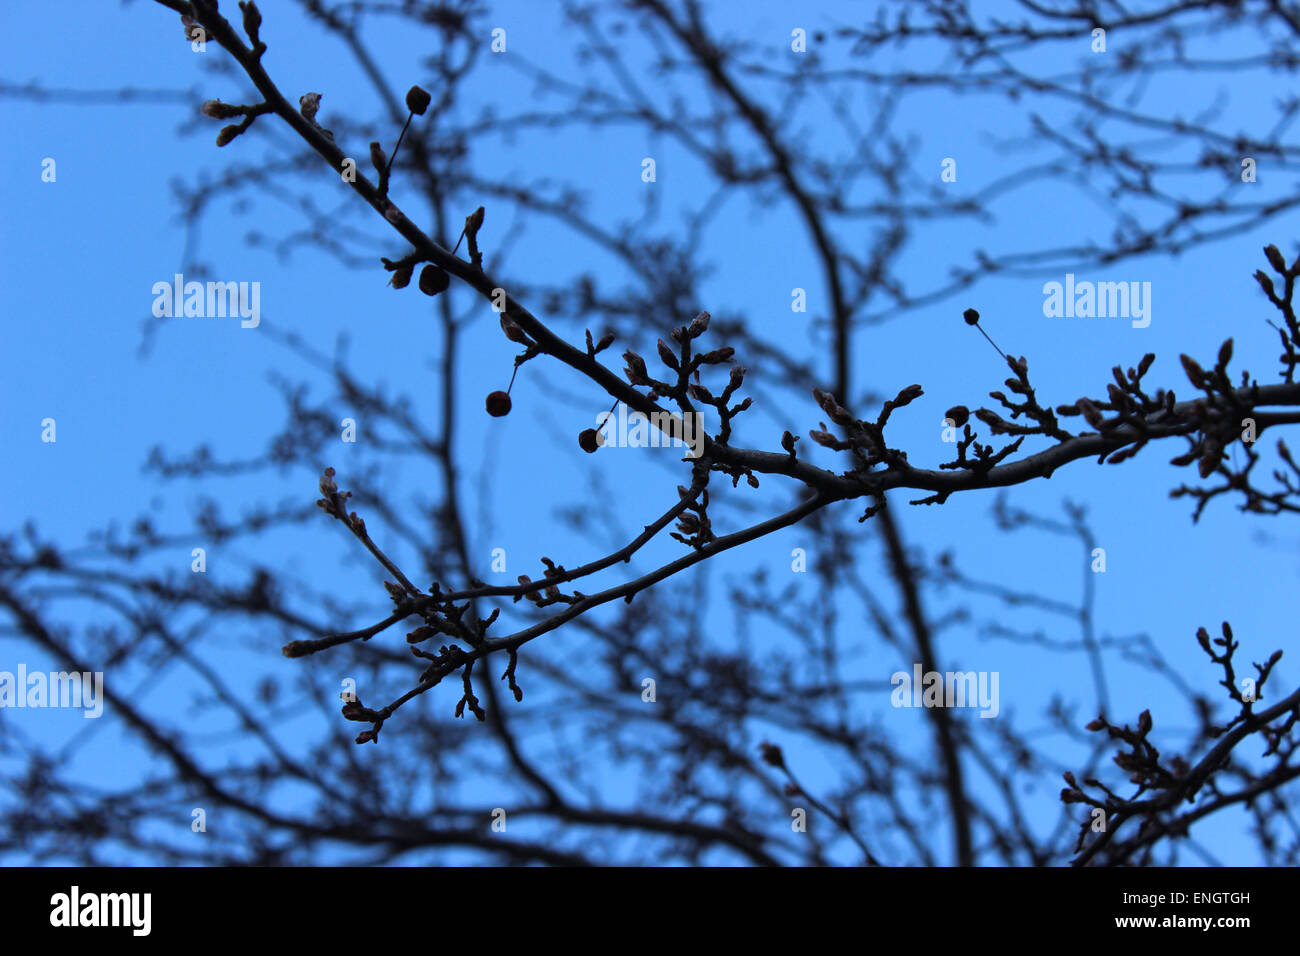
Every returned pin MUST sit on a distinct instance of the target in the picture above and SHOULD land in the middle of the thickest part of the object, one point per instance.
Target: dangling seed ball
(971, 316)
(589, 439)
(401, 277)
(433, 280)
(417, 100)
(498, 404)
(959, 415)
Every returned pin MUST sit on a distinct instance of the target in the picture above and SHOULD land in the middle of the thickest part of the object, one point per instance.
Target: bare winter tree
(552, 664)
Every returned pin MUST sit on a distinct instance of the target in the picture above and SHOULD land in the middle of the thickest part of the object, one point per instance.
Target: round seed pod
(417, 100)
(433, 280)
(589, 439)
(498, 404)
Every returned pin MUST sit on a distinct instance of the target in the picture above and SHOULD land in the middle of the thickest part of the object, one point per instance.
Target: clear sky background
(80, 256)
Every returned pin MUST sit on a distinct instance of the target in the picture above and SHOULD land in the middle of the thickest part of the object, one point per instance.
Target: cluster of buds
(1142, 761)
(685, 383)
(334, 503)
(865, 439)
(548, 593)
(1029, 408)
(693, 525)
(1216, 416)
(215, 109)
(1166, 780)
(445, 660)
(1283, 302)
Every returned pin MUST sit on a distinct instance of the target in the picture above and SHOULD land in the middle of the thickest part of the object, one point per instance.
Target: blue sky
(81, 255)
